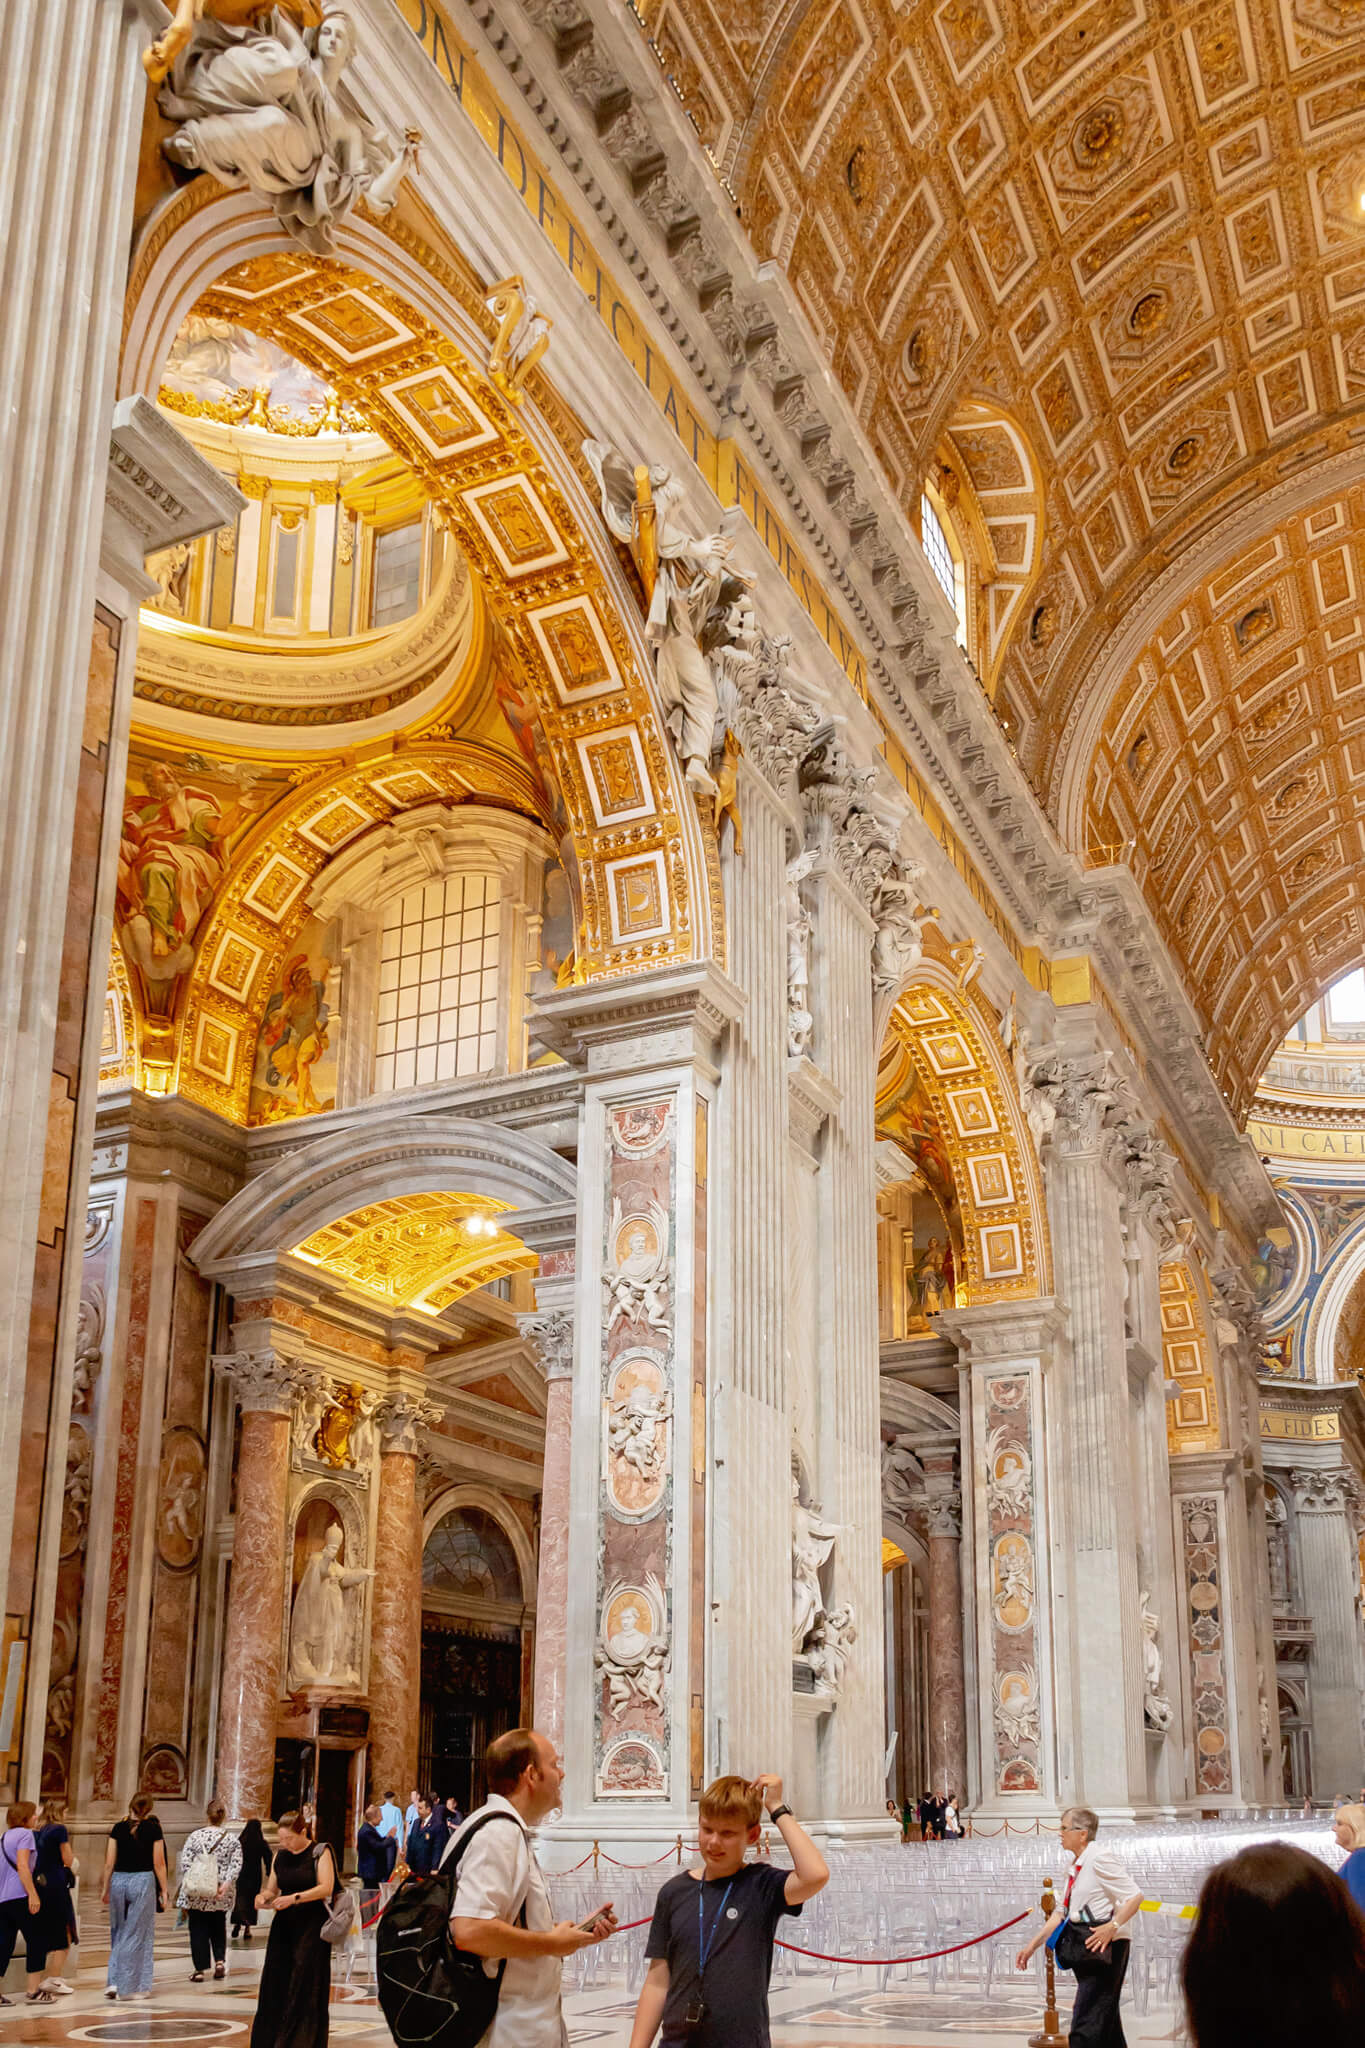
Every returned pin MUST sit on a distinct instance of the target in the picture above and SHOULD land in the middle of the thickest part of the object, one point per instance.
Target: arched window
(468, 1554)
(438, 983)
(945, 560)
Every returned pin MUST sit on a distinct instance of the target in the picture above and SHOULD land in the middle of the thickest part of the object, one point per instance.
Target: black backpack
(432, 1993)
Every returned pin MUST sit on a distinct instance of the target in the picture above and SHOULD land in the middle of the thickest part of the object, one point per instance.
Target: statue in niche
(813, 1541)
(800, 1021)
(264, 107)
(690, 591)
(321, 1628)
(637, 1284)
(632, 1649)
(1156, 1707)
(829, 1647)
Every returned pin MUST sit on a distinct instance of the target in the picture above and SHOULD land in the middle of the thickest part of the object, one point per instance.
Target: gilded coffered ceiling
(1135, 229)
(419, 1251)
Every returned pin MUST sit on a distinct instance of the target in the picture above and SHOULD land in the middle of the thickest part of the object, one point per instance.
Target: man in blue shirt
(411, 1815)
(391, 1821)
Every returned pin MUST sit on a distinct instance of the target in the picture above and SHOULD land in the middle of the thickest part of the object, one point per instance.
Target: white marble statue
(634, 1656)
(1009, 1475)
(902, 1478)
(264, 107)
(320, 1631)
(311, 1399)
(800, 1021)
(829, 1647)
(1016, 1707)
(1155, 1706)
(365, 1430)
(899, 944)
(813, 1541)
(687, 583)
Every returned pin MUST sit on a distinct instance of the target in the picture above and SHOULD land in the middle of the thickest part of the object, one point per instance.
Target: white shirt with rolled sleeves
(1102, 1884)
(497, 1873)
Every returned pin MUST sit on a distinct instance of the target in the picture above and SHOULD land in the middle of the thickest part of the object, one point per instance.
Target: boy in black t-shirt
(710, 1947)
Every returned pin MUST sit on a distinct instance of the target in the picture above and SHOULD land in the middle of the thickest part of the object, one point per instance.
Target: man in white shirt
(499, 1874)
(1098, 1893)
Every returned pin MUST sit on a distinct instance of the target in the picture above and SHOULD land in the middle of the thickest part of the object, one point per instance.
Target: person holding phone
(498, 1874)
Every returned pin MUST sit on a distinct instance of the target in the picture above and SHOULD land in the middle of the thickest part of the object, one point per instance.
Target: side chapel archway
(942, 1043)
(397, 324)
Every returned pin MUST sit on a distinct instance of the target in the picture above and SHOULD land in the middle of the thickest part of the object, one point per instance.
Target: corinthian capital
(265, 1382)
(402, 1419)
(550, 1336)
(1320, 1493)
(1082, 1095)
(943, 1514)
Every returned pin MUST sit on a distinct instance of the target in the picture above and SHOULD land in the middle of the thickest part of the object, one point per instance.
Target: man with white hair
(1099, 1900)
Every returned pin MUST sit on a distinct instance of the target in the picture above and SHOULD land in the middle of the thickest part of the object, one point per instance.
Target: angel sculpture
(813, 1541)
(638, 1288)
(265, 108)
(522, 338)
(1009, 1475)
(690, 591)
(1016, 1707)
(636, 1430)
(830, 1646)
(800, 925)
(899, 944)
(633, 1658)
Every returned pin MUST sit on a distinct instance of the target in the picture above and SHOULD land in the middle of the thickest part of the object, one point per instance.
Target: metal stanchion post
(596, 1851)
(679, 1849)
(1051, 2035)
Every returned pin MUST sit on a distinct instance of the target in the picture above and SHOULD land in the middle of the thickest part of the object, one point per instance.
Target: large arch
(948, 1039)
(345, 1171)
(397, 323)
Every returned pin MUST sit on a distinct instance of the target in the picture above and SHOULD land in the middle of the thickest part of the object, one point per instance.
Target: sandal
(219, 1970)
(40, 1998)
(197, 1977)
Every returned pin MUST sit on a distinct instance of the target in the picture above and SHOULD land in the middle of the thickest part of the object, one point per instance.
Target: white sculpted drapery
(265, 109)
(320, 1631)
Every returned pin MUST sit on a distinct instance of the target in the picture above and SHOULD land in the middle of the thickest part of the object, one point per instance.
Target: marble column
(1091, 1446)
(396, 1613)
(1329, 1579)
(550, 1335)
(249, 1694)
(947, 1681)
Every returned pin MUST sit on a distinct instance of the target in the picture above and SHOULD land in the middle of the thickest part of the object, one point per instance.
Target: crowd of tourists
(1275, 1959)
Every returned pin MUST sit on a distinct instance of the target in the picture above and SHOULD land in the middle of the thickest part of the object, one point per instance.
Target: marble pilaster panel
(635, 1721)
(1093, 1454)
(549, 1332)
(396, 1615)
(845, 1472)
(947, 1701)
(1202, 1551)
(1327, 1559)
(1012, 1354)
(249, 1693)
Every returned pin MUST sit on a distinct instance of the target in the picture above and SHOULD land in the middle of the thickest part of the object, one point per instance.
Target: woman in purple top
(20, 1903)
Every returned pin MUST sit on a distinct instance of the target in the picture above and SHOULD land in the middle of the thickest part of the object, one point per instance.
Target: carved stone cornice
(550, 1336)
(1005, 1330)
(264, 1382)
(158, 490)
(767, 708)
(679, 1013)
(404, 1420)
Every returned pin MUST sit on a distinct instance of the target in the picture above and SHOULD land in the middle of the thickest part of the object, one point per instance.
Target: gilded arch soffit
(1136, 226)
(416, 1250)
(1227, 760)
(397, 327)
(947, 1041)
(1192, 1419)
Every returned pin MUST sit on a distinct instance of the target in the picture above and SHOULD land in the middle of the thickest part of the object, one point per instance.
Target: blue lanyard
(704, 1945)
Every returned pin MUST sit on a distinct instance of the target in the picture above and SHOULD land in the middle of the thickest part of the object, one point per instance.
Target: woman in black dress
(254, 1872)
(296, 1982)
(54, 1875)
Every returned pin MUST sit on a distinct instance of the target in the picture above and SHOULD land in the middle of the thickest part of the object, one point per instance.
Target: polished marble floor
(806, 2013)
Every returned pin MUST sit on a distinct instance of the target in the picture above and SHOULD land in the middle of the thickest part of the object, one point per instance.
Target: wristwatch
(782, 1812)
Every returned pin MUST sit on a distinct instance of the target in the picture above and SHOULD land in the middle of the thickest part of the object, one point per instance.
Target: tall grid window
(937, 549)
(397, 574)
(438, 983)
